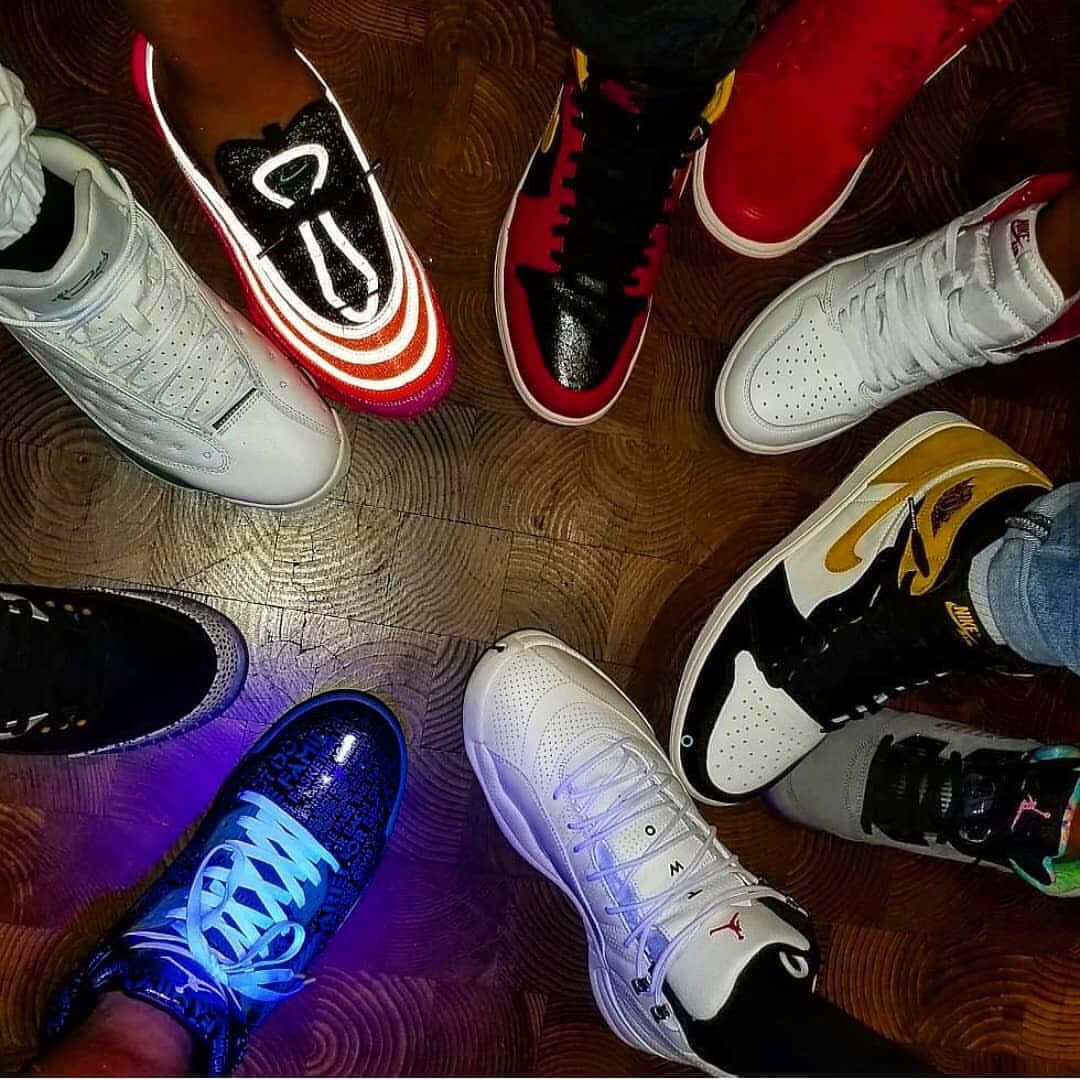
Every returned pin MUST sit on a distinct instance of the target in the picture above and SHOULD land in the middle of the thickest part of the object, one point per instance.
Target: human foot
(231, 927)
(325, 266)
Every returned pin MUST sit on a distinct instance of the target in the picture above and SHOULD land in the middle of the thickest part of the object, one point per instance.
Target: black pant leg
(660, 41)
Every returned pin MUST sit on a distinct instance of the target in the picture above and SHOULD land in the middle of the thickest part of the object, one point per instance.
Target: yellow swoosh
(994, 467)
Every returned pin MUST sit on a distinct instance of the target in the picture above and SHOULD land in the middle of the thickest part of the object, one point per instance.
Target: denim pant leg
(680, 41)
(1033, 580)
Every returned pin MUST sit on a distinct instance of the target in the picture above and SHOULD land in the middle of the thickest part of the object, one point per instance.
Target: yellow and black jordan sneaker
(867, 598)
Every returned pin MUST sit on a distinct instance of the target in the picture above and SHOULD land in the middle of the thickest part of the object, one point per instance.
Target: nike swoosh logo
(993, 465)
(719, 101)
(298, 170)
(552, 129)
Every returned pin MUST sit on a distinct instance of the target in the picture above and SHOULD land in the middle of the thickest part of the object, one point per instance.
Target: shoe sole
(887, 451)
(508, 349)
(410, 406)
(521, 839)
(757, 249)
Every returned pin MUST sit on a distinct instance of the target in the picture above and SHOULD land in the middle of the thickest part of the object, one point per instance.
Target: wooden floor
(480, 519)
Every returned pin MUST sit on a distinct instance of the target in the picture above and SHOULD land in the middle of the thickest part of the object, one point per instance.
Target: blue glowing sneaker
(287, 849)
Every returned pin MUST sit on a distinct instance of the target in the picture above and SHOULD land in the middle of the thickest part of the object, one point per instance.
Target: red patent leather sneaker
(811, 100)
(582, 243)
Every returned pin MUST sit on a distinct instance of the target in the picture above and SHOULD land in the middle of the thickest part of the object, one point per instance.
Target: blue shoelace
(234, 914)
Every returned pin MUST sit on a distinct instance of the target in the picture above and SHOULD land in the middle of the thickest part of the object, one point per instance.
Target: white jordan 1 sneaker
(868, 329)
(866, 598)
(684, 944)
(176, 377)
(933, 787)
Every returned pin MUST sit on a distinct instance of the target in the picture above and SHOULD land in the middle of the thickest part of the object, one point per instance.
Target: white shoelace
(238, 960)
(134, 316)
(627, 787)
(905, 326)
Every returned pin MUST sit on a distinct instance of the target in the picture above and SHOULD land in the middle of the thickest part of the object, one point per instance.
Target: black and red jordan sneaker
(582, 243)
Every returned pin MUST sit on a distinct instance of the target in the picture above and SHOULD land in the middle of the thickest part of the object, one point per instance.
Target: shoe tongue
(97, 242)
(1010, 296)
(312, 135)
(708, 965)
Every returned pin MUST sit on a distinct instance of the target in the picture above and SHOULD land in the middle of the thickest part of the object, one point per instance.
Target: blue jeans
(1033, 581)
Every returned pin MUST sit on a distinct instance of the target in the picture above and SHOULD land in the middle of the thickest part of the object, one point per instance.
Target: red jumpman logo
(732, 924)
(1028, 805)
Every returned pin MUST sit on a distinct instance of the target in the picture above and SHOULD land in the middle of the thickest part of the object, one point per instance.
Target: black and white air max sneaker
(87, 670)
(327, 270)
(867, 598)
(933, 787)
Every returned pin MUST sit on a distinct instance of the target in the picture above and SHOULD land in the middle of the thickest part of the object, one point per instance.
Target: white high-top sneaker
(682, 940)
(172, 373)
(866, 330)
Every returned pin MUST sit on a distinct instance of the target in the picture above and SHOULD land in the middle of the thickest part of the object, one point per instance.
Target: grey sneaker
(943, 789)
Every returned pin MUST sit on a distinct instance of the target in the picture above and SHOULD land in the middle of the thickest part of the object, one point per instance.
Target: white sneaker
(168, 370)
(679, 934)
(866, 330)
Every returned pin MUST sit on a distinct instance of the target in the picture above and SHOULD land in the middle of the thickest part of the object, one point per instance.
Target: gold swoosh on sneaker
(928, 473)
(552, 126)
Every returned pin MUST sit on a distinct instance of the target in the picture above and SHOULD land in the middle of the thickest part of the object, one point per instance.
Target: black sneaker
(943, 789)
(90, 670)
(867, 598)
(231, 927)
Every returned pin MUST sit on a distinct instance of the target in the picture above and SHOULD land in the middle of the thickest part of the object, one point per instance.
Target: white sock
(978, 588)
(22, 185)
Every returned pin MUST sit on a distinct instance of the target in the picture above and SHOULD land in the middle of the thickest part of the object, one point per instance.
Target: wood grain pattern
(480, 518)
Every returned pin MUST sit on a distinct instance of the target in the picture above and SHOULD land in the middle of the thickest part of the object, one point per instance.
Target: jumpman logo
(732, 924)
(1028, 805)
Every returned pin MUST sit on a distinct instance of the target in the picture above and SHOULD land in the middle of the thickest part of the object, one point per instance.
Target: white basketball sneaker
(175, 376)
(685, 947)
(868, 329)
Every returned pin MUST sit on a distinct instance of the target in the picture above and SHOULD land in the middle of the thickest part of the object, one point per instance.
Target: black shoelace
(624, 175)
(913, 792)
(853, 662)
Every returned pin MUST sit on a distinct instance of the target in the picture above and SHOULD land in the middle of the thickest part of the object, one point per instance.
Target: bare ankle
(214, 108)
(121, 1037)
(1058, 231)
